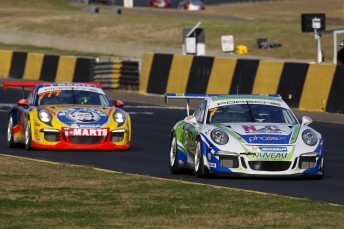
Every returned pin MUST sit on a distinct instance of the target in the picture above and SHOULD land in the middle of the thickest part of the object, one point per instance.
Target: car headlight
(309, 137)
(219, 136)
(44, 116)
(119, 116)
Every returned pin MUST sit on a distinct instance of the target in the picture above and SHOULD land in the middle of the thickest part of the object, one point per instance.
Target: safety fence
(119, 74)
(306, 86)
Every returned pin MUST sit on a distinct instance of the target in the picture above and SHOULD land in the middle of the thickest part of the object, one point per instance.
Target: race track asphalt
(149, 155)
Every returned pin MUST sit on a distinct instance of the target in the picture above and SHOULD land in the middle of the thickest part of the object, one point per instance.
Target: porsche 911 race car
(67, 116)
(245, 135)
(191, 5)
(160, 3)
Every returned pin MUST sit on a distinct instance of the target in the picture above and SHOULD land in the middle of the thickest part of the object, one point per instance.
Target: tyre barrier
(44, 67)
(306, 86)
(93, 9)
(118, 74)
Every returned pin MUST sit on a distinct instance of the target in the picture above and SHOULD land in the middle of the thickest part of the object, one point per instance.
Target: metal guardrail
(117, 74)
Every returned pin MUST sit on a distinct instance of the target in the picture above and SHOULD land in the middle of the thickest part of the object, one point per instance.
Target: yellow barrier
(312, 87)
(5, 63)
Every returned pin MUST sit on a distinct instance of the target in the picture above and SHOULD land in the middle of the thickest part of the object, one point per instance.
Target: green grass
(40, 195)
(276, 20)
(45, 50)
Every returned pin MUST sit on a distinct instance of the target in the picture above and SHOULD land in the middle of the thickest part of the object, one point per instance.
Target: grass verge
(276, 20)
(39, 195)
(45, 50)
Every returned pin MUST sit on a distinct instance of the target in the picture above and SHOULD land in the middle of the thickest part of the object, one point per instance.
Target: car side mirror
(119, 103)
(22, 102)
(191, 120)
(306, 120)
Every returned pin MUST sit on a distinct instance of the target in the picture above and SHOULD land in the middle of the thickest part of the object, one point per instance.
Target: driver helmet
(84, 100)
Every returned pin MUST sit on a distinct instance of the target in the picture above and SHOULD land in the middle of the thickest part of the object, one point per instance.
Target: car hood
(81, 116)
(266, 133)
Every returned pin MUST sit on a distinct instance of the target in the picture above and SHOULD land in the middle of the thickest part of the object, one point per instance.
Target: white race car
(191, 5)
(248, 135)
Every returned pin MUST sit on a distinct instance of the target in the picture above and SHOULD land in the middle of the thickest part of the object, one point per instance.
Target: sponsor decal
(273, 148)
(88, 126)
(82, 117)
(85, 132)
(266, 139)
(38, 139)
(272, 156)
(61, 87)
(263, 138)
(230, 102)
(265, 102)
(262, 129)
(275, 104)
(49, 94)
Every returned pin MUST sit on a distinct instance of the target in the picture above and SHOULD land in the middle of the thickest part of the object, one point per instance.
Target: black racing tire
(200, 170)
(28, 135)
(174, 167)
(10, 136)
(320, 177)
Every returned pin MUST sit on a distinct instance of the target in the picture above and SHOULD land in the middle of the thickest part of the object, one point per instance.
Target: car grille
(85, 139)
(307, 162)
(52, 136)
(229, 161)
(117, 137)
(269, 165)
(55, 137)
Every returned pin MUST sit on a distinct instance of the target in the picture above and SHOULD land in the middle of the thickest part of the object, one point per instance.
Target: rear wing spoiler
(188, 97)
(34, 84)
(23, 84)
(20, 84)
(204, 96)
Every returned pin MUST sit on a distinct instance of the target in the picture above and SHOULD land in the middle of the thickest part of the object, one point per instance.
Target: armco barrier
(121, 74)
(51, 68)
(313, 87)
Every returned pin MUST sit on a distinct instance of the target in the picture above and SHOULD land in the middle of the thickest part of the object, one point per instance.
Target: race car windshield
(241, 113)
(72, 97)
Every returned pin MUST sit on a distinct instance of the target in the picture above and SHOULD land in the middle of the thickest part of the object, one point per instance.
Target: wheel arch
(204, 149)
(14, 115)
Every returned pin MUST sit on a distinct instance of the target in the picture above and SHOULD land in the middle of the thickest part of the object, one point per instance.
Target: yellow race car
(67, 116)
